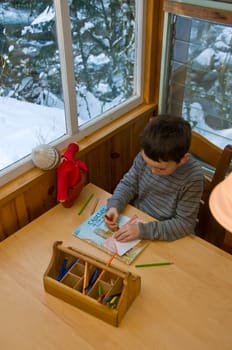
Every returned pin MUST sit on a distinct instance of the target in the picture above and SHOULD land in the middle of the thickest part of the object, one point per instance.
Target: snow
(25, 125)
(11, 15)
(47, 15)
(86, 27)
(204, 59)
(99, 59)
(219, 137)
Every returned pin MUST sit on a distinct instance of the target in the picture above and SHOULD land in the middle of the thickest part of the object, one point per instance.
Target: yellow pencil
(94, 205)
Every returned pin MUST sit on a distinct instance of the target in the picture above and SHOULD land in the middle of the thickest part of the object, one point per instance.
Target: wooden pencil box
(70, 277)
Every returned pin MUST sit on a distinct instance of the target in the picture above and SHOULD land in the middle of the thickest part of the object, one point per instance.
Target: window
(199, 75)
(66, 68)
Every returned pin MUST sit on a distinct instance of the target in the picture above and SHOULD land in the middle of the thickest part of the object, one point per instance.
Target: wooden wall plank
(135, 131)
(21, 210)
(120, 156)
(2, 233)
(98, 162)
(9, 219)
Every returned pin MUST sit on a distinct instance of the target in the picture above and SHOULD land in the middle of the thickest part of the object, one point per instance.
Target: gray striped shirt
(173, 200)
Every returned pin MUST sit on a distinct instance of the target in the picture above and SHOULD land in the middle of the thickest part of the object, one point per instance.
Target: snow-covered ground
(220, 137)
(24, 125)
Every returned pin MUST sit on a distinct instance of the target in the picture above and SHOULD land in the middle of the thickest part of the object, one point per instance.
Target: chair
(216, 164)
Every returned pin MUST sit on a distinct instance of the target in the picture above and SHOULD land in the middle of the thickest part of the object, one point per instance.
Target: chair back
(218, 160)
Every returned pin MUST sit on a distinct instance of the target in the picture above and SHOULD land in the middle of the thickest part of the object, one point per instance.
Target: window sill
(24, 181)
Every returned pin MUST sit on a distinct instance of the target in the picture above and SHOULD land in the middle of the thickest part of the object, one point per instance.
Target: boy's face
(163, 168)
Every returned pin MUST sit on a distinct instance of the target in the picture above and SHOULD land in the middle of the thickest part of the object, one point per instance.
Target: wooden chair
(217, 161)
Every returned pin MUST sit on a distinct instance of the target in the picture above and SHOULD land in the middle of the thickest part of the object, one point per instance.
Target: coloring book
(95, 231)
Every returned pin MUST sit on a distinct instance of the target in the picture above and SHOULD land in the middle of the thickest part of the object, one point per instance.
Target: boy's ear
(184, 158)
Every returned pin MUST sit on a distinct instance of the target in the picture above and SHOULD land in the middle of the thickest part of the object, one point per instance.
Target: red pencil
(108, 218)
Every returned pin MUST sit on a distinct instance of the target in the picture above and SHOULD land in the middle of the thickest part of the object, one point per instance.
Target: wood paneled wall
(108, 154)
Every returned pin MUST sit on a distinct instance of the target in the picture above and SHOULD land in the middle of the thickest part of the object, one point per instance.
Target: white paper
(119, 247)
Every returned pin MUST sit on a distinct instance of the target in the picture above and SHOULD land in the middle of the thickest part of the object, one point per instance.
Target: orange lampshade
(220, 203)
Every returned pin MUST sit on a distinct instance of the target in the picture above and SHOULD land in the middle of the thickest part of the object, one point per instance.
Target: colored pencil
(94, 205)
(85, 277)
(85, 204)
(154, 264)
(103, 271)
(111, 259)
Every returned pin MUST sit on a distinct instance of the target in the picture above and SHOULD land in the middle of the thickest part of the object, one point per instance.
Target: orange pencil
(103, 271)
(111, 259)
(85, 277)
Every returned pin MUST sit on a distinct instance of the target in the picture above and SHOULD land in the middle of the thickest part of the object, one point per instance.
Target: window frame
(75, 133)
(206, 10)
(200, 9)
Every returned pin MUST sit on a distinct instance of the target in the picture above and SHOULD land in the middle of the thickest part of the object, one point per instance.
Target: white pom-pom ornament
(45, 157)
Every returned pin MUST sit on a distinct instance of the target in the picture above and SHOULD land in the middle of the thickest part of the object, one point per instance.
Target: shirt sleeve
(127, 189)
(184, 220)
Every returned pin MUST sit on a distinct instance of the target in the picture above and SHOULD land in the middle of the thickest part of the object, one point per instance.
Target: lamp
(220, 203)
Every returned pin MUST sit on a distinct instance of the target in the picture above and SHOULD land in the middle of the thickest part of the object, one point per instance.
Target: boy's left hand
(128, 232)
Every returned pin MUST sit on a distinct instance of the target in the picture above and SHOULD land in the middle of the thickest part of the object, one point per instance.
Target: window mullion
(67, 66)
(169, 28)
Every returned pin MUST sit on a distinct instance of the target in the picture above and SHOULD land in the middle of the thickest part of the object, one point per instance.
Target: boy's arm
(127, 188)
(181, 224)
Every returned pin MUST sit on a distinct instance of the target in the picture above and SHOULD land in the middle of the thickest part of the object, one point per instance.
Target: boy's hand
(111, 219)
(128, 232)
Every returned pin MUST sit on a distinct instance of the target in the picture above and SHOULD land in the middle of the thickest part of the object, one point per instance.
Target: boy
(164, 182)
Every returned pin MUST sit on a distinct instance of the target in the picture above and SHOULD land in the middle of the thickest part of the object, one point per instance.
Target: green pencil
(154, 264)
(85, 204)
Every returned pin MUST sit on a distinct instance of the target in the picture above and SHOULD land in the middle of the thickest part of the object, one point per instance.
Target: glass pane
(202, 2)
(31, 101)
(201, 77)
(103, 34)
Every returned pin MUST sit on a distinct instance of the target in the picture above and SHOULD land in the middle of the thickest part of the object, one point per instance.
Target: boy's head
(165, 143)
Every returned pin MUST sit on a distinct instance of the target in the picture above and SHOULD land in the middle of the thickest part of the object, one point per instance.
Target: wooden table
(187, 305)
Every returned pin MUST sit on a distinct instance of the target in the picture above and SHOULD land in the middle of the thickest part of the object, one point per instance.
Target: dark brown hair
(166, 138)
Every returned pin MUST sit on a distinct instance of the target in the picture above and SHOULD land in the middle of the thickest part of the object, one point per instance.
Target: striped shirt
(173, 200)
